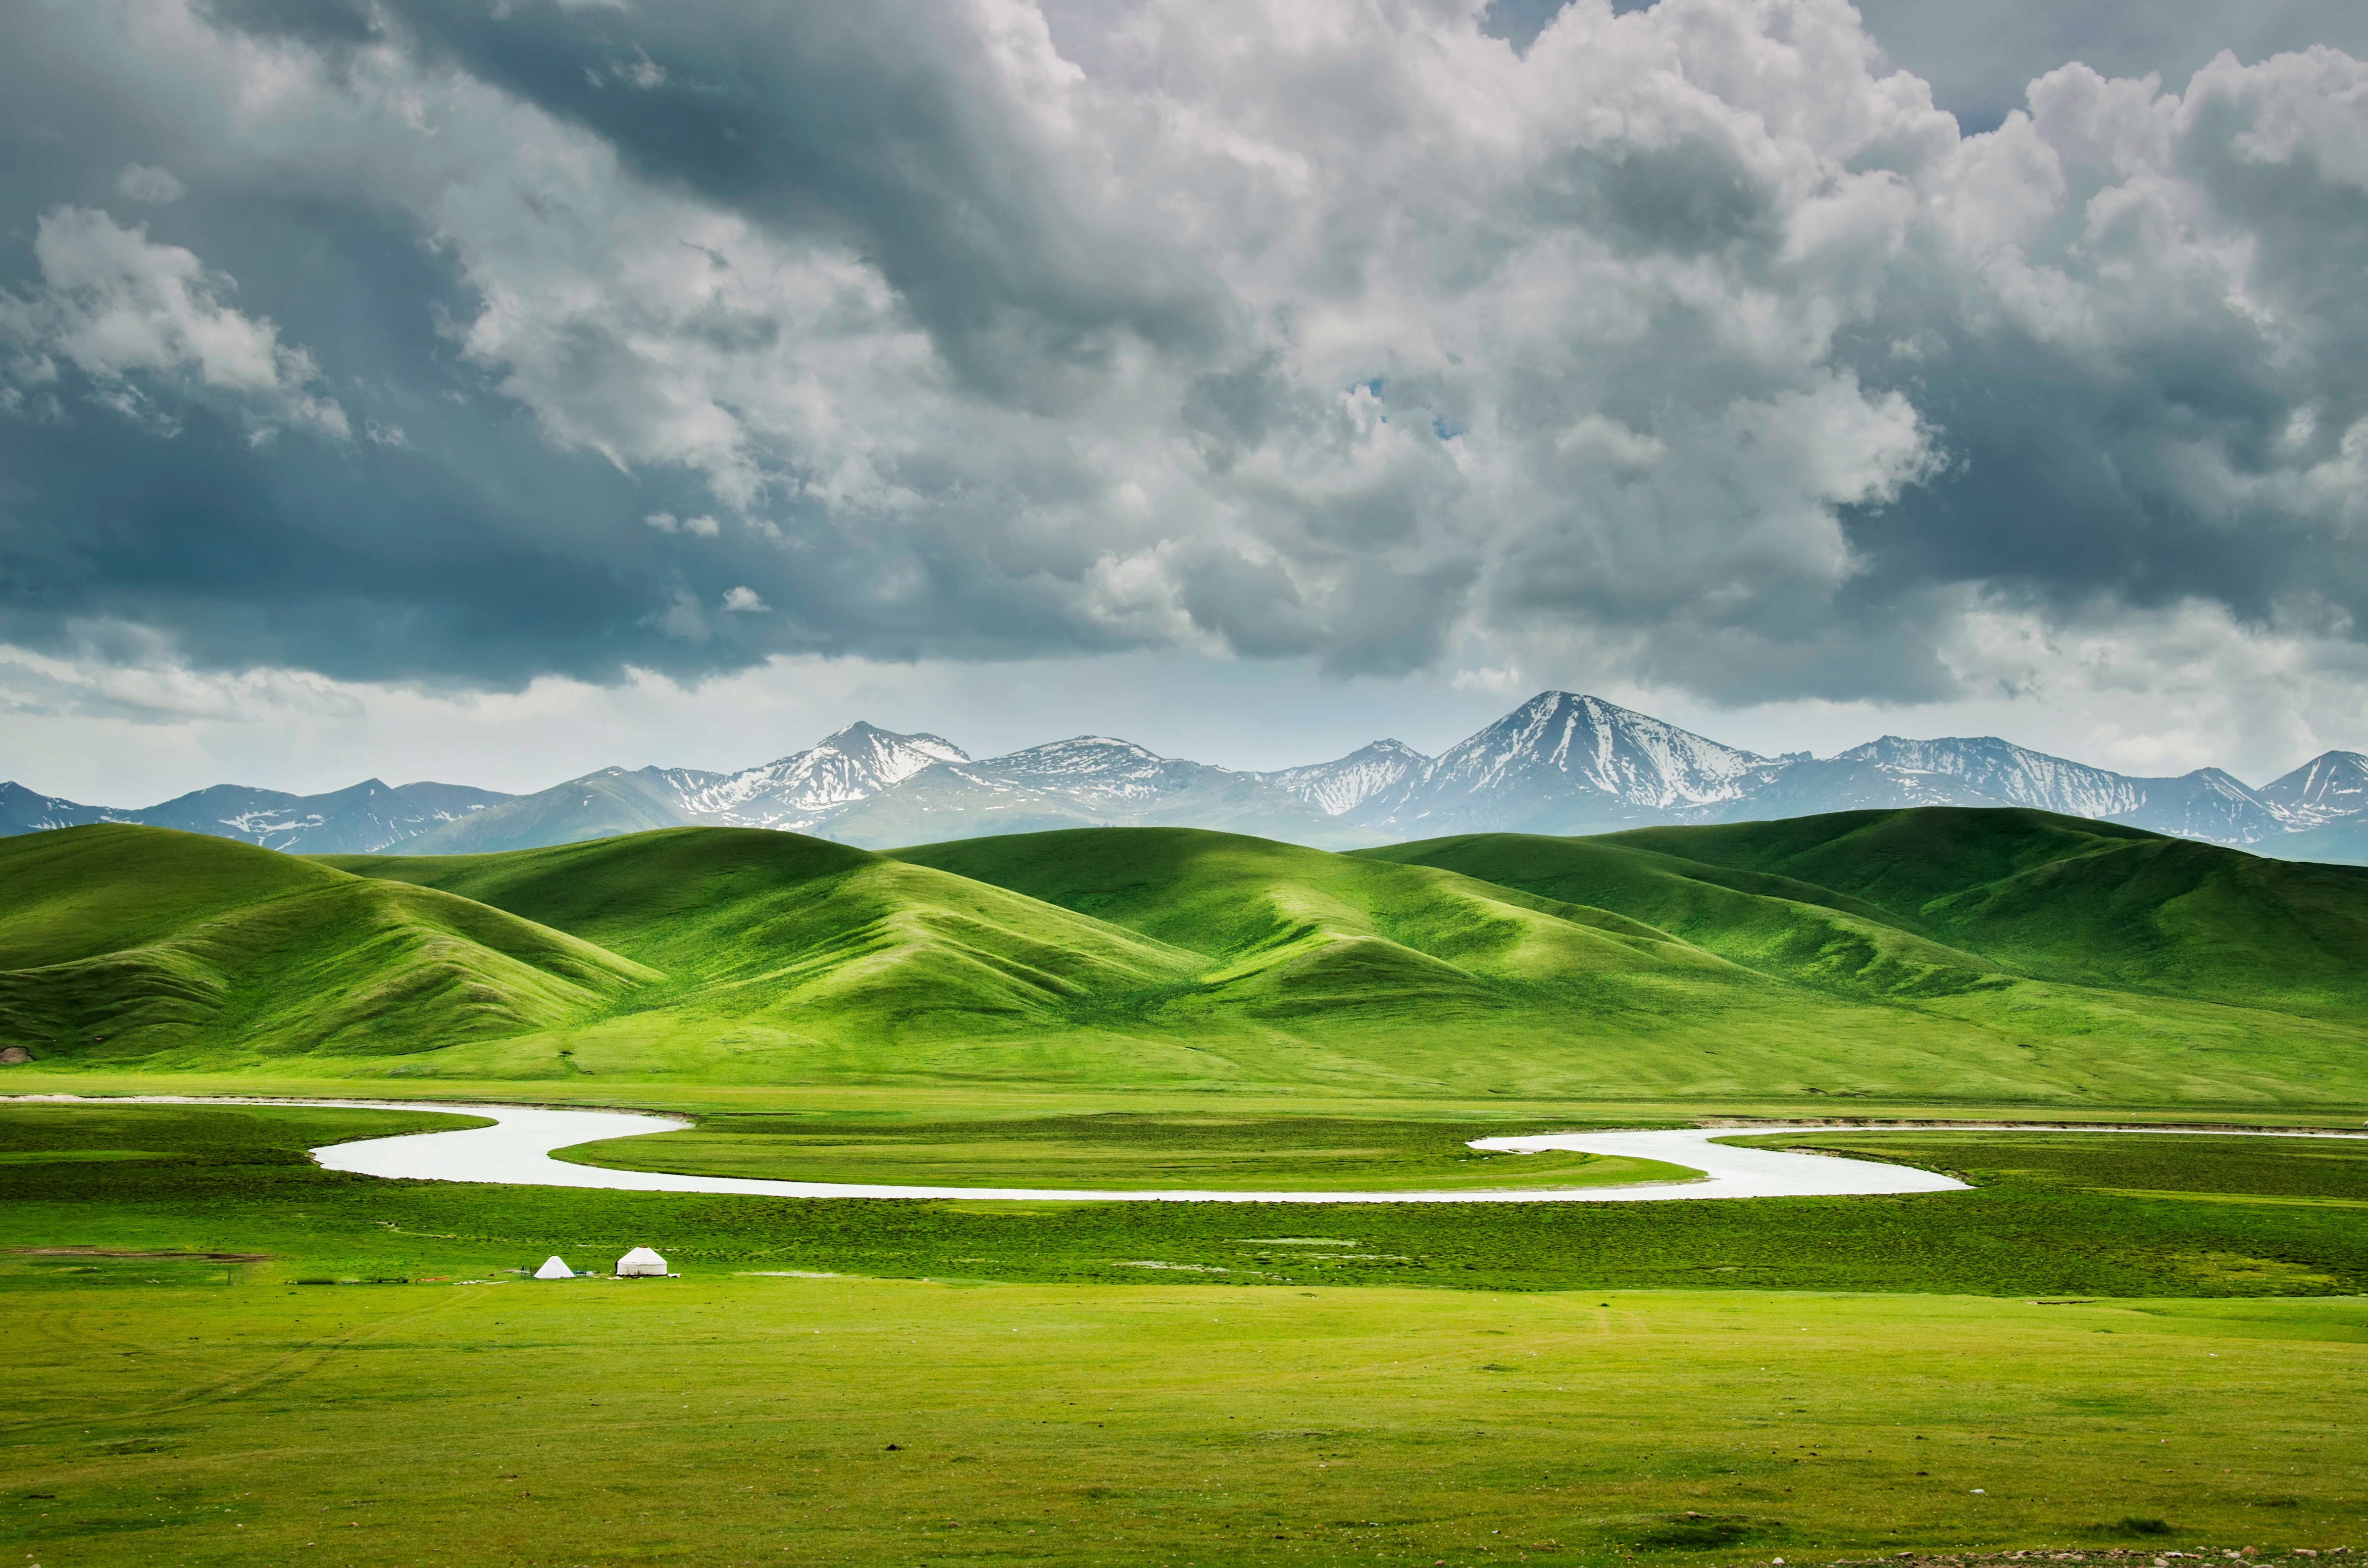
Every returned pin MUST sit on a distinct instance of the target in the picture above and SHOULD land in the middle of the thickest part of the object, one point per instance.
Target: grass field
(220, 1352)
(1122, 1150)
(804, 1420)
(791, 1400)
(2053, 1214)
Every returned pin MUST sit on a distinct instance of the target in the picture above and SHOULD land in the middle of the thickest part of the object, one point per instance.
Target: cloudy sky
(492, 390)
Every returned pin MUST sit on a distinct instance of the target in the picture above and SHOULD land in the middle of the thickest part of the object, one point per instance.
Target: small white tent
(553, 1268)
(640, 1260)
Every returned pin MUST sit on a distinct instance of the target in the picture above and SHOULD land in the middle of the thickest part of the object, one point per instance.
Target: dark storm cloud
(368, 338)
(444, 539)
(867, 124)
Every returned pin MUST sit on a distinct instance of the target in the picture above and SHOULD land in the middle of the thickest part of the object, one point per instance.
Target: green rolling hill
(1283, 929)
(1938, 955)
(2045, 896)
(749, 924)
(121, 943)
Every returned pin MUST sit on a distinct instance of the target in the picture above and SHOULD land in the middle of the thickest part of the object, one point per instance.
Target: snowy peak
(1091, 769)
(1339, 786)
(2007, 774)
(1601, 746)
(1085, 781)
(808, 788)
(2206, 803)
(1567, 763)
(2332, 785)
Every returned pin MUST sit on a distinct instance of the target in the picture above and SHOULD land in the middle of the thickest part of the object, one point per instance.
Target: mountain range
(1561, 763)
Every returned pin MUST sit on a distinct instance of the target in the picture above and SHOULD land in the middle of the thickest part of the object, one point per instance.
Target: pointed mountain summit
(2333, 784)
(1340, 787)
(800, 793)
(1564, 763)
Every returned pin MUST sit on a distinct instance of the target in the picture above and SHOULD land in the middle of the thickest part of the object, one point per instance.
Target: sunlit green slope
(2046, 896)
(1818, 990)
(1169, 960)
(1286, 929)
(744, 922)
(132, 943)
(1772, 925)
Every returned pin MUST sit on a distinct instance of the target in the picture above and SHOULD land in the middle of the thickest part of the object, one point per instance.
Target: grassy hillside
(1629, 967)
(1287, 929)
(1170, 960)
(2048, 896)
(1772, 925)
(120, 942)
(783, 948)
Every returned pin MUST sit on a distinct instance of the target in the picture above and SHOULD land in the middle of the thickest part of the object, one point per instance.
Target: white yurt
(554, 1268)
(640, 1260)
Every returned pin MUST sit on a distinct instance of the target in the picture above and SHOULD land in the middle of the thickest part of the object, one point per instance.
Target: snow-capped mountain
(1561, 763)
(360, 819)
(798, 793)
(806, 789)
(1999, 772)
(2206, 803)
(1802, 785)
(22, 811)
(1089, 781)
(2332, 785)
(1337, 788)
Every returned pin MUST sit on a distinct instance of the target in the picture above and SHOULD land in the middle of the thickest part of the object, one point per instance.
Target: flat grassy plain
(1122, 1150)
(2109, 1329)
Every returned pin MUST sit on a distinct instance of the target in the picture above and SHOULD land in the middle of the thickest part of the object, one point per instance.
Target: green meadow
(2147, 1340)
(2111, 1342)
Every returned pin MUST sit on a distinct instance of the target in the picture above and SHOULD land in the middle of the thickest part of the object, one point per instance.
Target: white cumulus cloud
(119, 307)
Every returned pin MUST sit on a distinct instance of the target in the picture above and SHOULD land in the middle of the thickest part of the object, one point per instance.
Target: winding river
(517, 1151)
